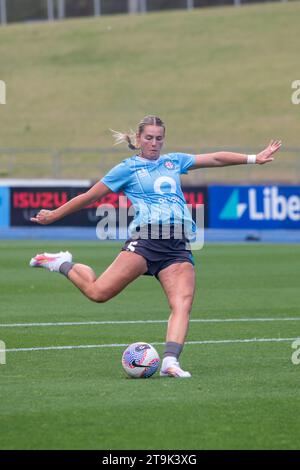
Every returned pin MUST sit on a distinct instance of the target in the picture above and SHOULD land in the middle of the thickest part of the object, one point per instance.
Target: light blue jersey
(154, 188)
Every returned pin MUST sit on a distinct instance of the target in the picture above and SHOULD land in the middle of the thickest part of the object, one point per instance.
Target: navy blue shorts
(159, 253)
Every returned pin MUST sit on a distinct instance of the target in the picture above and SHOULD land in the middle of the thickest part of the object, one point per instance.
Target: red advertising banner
(25, 202)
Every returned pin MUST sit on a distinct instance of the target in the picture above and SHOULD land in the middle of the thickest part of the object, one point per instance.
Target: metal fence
(93, 163)
(49, 10)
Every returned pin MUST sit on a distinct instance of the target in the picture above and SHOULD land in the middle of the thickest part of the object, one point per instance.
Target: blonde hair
(130, 137)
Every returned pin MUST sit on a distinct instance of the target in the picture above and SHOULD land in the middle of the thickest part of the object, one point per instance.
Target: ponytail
(129, 138)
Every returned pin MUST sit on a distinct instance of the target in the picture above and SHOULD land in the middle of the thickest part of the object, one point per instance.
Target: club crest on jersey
(170, 165)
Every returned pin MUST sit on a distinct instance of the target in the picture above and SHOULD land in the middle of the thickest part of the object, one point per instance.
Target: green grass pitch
(242, 395)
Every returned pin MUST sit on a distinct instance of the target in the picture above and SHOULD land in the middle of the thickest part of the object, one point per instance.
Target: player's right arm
(45, 217)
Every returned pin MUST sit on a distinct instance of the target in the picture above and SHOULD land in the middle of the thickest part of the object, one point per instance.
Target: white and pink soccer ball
(140, 360)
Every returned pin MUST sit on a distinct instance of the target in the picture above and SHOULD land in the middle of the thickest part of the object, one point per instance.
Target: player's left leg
(178, 282)
(122, 271)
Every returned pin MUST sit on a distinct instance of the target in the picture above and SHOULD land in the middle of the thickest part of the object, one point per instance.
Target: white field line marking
(127, 322)
(119, 345)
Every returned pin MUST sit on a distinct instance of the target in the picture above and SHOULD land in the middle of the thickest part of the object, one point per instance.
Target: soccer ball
(140, 360)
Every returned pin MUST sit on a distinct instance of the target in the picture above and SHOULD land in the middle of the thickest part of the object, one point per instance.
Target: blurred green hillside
(219, 77)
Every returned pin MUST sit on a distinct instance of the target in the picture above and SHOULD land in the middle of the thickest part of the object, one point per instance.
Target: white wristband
(251, 158)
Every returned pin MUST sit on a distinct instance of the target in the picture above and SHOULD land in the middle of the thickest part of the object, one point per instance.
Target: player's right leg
(124, 269)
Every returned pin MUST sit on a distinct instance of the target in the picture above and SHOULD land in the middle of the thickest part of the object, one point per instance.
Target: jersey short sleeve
(186, 161)
(117, 177)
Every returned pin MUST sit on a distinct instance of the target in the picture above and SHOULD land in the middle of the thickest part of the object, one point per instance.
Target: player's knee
(97, 295)
(182, 305)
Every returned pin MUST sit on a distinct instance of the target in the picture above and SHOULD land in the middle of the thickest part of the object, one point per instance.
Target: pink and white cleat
(50, 261)
(174, 370)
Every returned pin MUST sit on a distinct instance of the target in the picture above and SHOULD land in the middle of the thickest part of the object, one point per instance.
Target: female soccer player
(152, 183)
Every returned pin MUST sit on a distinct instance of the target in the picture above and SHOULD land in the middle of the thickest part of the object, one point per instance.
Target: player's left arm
(207, 160)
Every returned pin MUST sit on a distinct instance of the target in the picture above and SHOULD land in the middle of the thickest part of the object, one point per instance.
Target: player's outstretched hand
(266, 155)
(44, 217)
